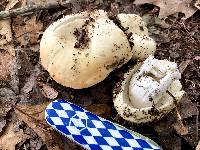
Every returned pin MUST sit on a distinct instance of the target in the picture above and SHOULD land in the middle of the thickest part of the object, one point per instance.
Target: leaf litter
(27, 30)
(10, 138)
(170, 7)
(33, 116)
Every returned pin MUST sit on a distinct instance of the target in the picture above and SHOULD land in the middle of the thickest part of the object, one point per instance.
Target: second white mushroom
(149, 91)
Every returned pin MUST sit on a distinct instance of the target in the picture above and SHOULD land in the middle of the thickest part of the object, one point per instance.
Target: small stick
(197, 123)
(175, 102)
(174, 98)
(25, 147)
(31, 9)
(184, 130)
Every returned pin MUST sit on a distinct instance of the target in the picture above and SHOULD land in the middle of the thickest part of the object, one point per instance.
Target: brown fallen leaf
(178, 125)
(184, 65)
(14, 72)
(164, 126)
(11, 4)
(198, 146)
(6, 36)
(7, 100)
(11, 137)
(197, 58)
(48, 91)
(27, 32)
(187, 108)
(169, 7)
(2, 123)
(31, 81)
(197, 4)
(6, 61)
(191, 138)
(170, 142)
(23, 3)
(180, 128)
(42, 2)
(31, 92)
(33, 116)
(5, 32)
(102, 110)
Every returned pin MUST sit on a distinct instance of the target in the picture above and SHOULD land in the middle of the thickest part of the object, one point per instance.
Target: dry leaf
(27, 32)
(11, 4)
(2, 124)
(169, 7)
(180, 128)
(35, 48)
(178, 125)
(14, 70)
(198, 146)
(6, 103)
(6, 61)
(164, 126)
(197, 4)
(102, 110)
(48, 91)
(197, 58)
(6, 100)
(42, 2)
(184, 65)
(5, 32)
(170, 142)
(33, 116)
(6, 36)
(31, 81)
(23, 3)
(187, 108)
(11, 137)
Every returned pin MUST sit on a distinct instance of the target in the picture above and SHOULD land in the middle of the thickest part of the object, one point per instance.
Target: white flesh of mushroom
(146, 87)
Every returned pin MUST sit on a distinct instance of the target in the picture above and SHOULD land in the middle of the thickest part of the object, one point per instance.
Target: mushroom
(81, 50)
(143, 45)
(148, 91)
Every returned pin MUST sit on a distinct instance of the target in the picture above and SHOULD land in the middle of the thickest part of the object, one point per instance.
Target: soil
(82, 36)
(180, 42)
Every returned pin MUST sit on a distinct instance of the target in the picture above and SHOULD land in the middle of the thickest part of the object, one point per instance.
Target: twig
(197, 123)
(174, 98)
(33, 8)
(175, 102)
(25, 147)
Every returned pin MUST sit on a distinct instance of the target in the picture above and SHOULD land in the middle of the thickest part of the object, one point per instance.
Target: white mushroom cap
(105, 48)
(134, 23)
(144, 92)
(143, 44)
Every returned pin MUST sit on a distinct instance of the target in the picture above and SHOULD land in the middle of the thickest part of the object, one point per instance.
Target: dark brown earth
(82, 36)
(180, 42)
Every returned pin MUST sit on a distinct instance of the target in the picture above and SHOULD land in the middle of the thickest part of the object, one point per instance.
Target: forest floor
(26, 88)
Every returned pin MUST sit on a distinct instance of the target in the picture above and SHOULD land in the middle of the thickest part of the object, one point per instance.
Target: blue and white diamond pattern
(91, 131)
